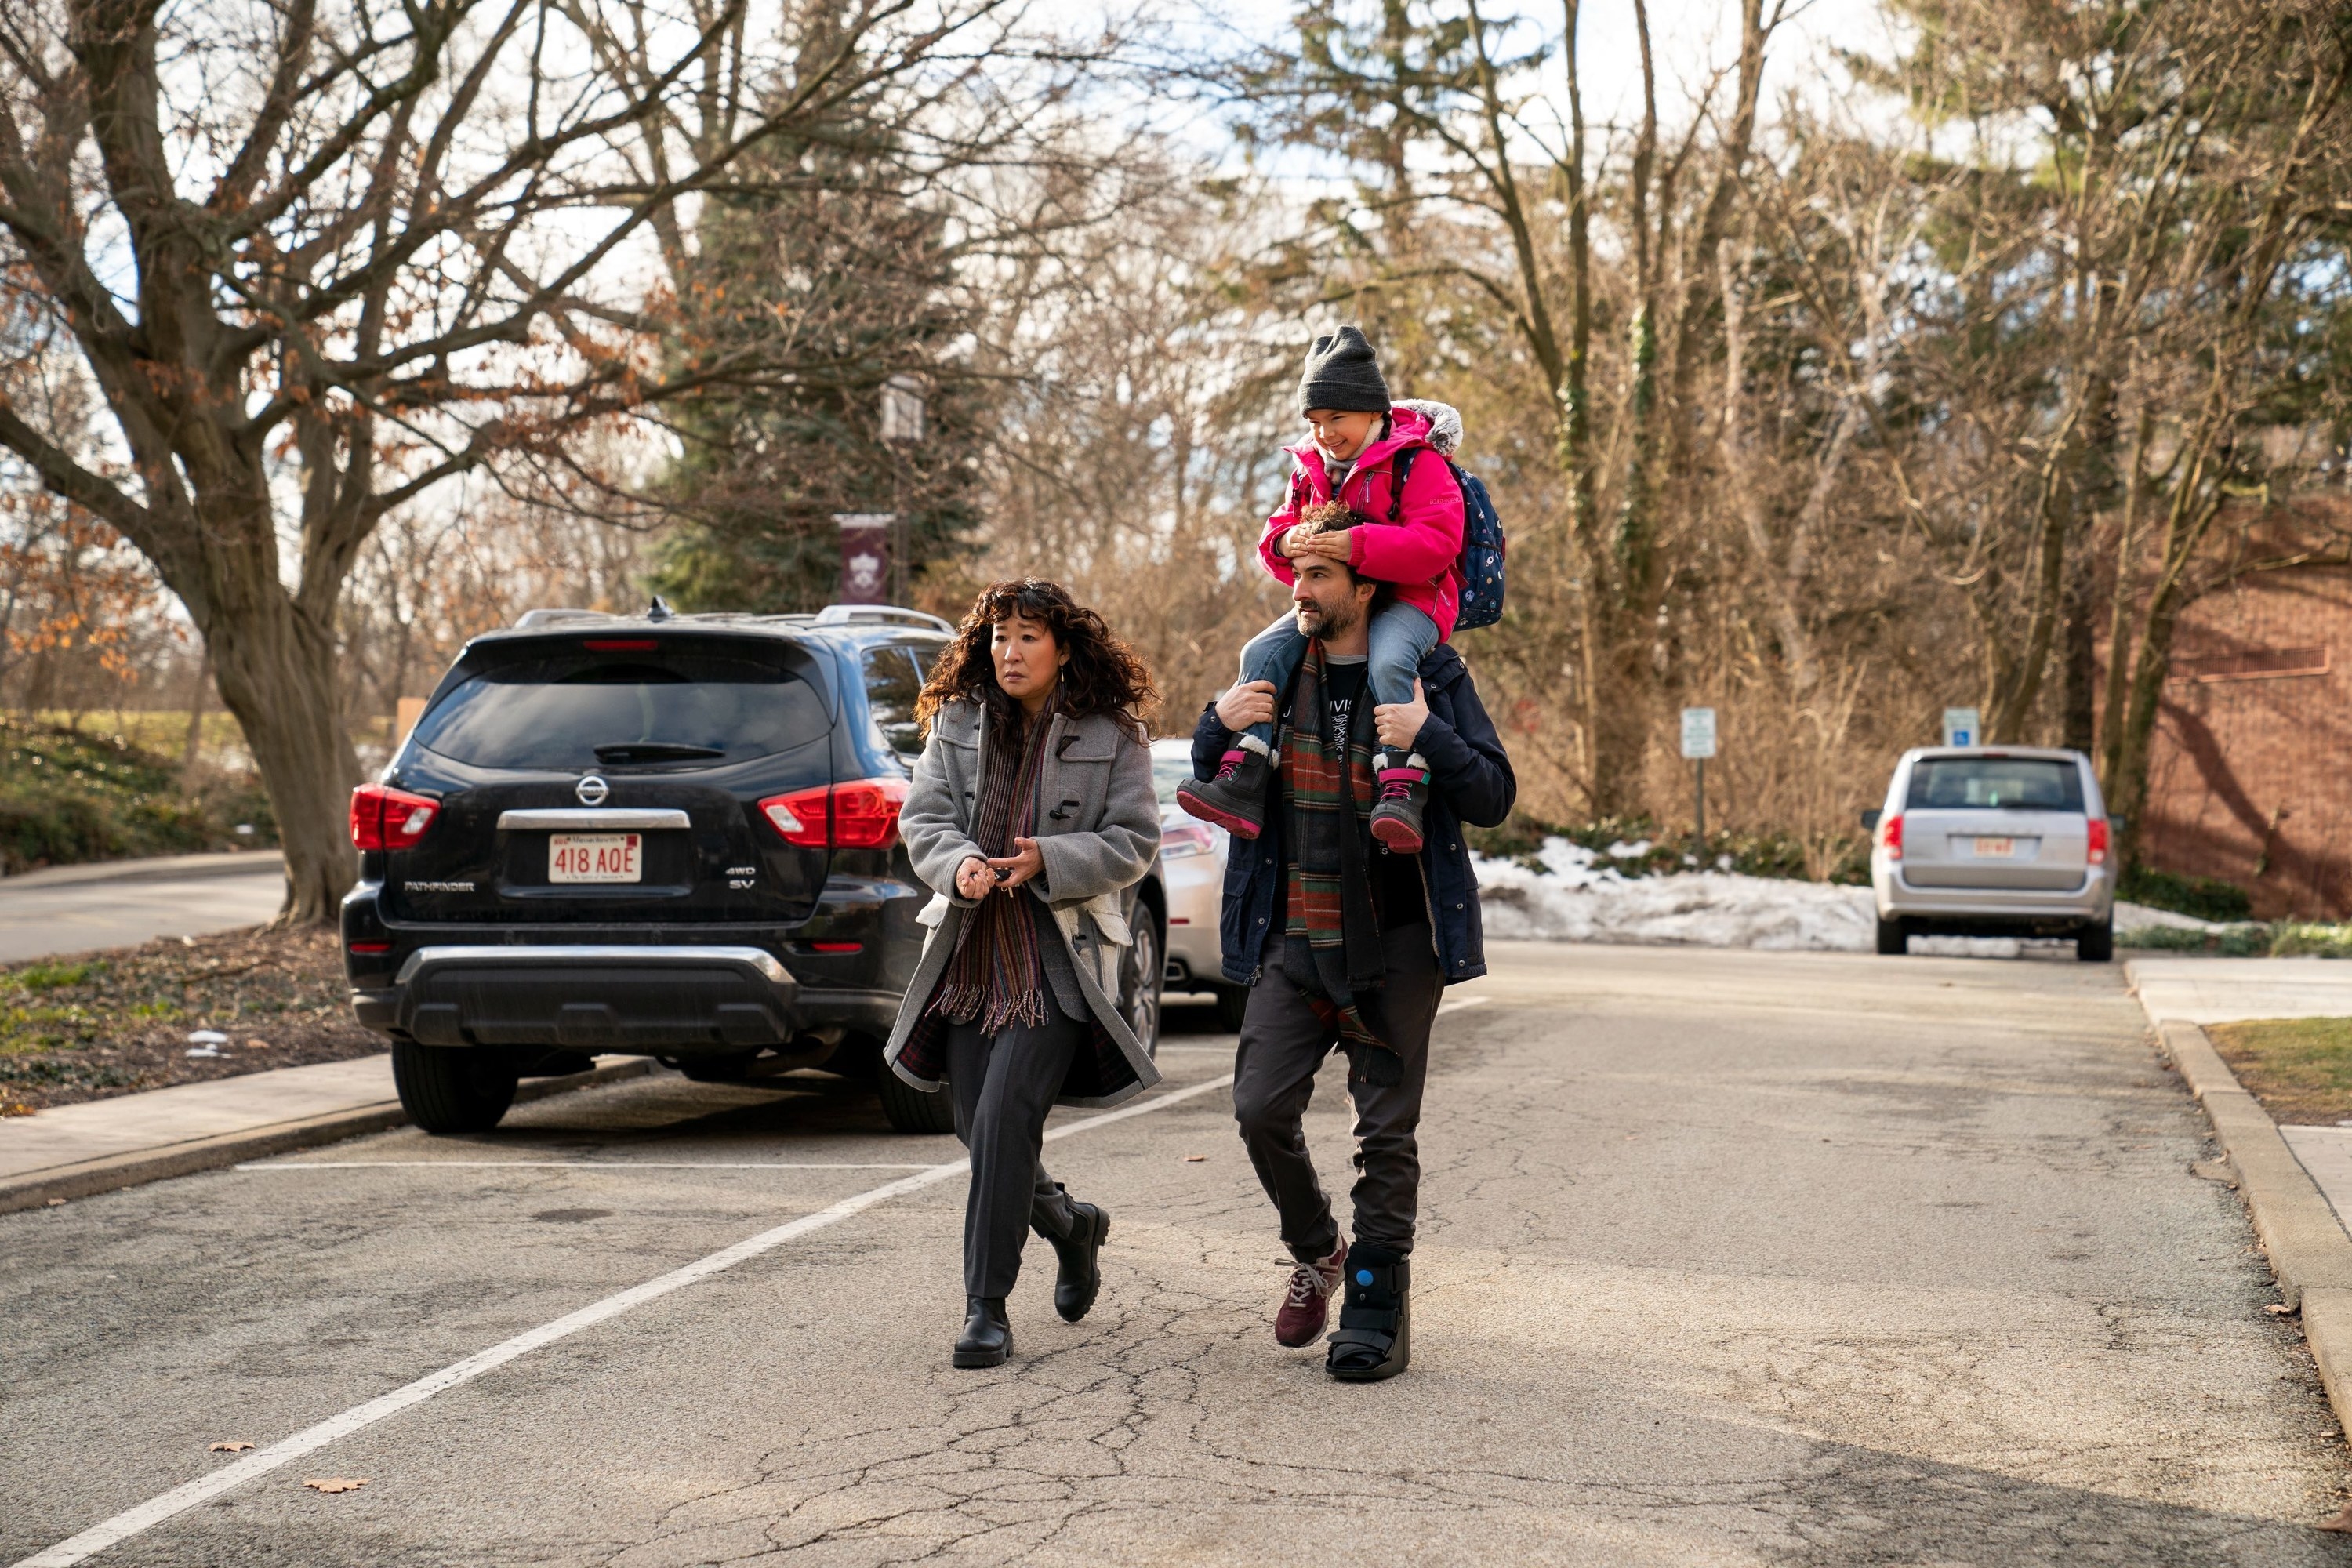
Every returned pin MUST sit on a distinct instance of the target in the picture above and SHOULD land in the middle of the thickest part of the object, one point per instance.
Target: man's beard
(1314, 621)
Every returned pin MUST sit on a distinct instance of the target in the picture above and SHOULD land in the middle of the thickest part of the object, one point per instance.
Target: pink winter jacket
(1418, 553)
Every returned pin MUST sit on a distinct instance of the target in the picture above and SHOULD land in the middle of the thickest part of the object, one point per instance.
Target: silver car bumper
(2092, 900)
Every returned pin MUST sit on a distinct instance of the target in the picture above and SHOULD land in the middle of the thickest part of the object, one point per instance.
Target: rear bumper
(2008, 911)
(589, 998)
(635, 988)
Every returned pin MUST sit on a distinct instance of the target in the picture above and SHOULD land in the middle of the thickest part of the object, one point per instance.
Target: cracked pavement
(1727, 1258)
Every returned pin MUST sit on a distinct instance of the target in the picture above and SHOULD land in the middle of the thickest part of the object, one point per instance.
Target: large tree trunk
(276, 667)
(2079, 660)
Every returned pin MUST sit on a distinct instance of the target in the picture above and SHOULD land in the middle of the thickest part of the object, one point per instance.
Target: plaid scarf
(1328, 799)
(996, 973)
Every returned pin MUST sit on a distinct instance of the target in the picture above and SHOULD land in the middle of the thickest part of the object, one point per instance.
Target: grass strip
(2299, 1069)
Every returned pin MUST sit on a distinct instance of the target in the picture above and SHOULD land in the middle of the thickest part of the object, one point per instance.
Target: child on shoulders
(1345, 503)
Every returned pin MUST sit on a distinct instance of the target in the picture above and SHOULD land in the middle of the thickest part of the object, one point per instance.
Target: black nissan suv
(661, 834)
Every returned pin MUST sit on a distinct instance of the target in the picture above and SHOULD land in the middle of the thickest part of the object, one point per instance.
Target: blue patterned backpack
(1483, 544)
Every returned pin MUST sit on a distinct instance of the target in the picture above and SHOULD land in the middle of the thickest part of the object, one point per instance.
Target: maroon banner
(865, 556)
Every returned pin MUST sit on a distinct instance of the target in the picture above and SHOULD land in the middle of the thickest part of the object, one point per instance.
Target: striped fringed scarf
(1331, 809)
(996, 973)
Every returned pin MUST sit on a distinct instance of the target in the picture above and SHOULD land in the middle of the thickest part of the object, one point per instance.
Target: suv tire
(909, 1110)
(2097, 944)
(1894, 941)
(452, 1090)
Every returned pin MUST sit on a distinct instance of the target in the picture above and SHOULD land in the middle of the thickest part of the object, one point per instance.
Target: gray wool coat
(1097, 831)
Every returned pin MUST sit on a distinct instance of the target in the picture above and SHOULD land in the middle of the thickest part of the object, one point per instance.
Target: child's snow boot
(1235, 799)
(1403, 794)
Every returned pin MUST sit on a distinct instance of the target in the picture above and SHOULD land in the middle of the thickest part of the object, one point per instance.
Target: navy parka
(1470, 781)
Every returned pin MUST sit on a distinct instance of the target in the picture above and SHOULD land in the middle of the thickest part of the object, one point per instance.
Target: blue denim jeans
(1401, 637)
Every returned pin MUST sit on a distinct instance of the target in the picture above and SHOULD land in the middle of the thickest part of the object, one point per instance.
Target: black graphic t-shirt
(1397, 895)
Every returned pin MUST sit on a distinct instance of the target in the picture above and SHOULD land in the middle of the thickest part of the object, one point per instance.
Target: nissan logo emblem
(592, 790)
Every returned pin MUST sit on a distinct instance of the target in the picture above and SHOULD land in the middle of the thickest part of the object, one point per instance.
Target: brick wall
(2250, 778)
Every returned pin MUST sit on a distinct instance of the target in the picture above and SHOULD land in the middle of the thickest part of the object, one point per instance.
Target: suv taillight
(384, 817)
(1890, 834)
(2098, 843)
(859, 816)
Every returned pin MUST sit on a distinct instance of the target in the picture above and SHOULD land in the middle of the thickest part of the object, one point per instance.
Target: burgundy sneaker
(1306, 1301)
(1396, 811)
(1235, 799)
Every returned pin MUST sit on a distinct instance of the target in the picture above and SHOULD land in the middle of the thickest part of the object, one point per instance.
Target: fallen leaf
(2342, 1523)
(57, 1202)
(230, 1447)
(1194, 1159)
(257, 1045)
(337, 1484)
(2278, 1309)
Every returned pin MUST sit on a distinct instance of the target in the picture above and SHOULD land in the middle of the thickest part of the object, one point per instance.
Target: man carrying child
(1345, 928)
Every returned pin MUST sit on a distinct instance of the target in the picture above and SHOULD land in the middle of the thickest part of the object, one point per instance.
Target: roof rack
(556, 617)
(840, 615)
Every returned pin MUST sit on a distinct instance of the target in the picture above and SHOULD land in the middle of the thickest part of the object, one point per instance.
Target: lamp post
(903, 421)
(874, 543)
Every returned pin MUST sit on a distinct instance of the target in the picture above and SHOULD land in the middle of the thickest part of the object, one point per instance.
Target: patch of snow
(1574, 899)
(2131, 917)
(1621, 850)
(1577, 897)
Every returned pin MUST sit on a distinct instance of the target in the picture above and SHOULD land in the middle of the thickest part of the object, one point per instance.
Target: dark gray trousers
(1004, 1086)
(1283, 1043)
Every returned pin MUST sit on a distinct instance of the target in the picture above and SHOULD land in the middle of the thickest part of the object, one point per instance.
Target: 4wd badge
(591, 789)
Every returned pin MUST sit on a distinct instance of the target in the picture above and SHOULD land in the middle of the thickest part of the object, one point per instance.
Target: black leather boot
(1374, 1339)
(987, 1334)
(1079, 1250)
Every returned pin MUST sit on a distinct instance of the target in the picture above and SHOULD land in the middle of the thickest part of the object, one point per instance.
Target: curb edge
(2309, 1251)
(89, 1178)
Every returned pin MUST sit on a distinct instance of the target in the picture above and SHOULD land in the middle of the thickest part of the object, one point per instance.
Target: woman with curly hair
(1031, 811)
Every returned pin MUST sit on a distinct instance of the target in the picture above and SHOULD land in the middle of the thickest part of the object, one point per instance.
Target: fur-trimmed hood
(1445, 431)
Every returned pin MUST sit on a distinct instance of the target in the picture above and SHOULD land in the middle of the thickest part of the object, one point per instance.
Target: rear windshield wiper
(654, 751)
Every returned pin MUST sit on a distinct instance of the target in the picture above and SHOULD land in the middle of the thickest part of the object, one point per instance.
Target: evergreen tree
(818, 279)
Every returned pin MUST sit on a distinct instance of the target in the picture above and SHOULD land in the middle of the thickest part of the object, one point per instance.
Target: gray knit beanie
(1343, 376)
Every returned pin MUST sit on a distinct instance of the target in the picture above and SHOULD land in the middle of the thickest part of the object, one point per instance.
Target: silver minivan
(1993, 841)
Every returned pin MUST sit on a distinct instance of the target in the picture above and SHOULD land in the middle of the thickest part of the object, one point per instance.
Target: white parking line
(1445, 1007)
(286, 1450)
(569, 1165)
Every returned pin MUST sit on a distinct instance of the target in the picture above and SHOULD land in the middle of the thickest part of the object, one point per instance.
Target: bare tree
(317, 260)
(1443, 107)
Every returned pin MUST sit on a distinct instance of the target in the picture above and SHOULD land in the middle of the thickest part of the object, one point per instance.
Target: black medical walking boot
(1373, 1339)
(1235, 799)
(1080, 1274)
(987, 1334)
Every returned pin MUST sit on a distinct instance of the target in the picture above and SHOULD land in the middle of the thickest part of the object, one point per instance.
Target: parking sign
(1698, 732)
(1960, 727)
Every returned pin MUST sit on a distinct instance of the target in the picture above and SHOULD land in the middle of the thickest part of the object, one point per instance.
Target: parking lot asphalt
(1727, 1258)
